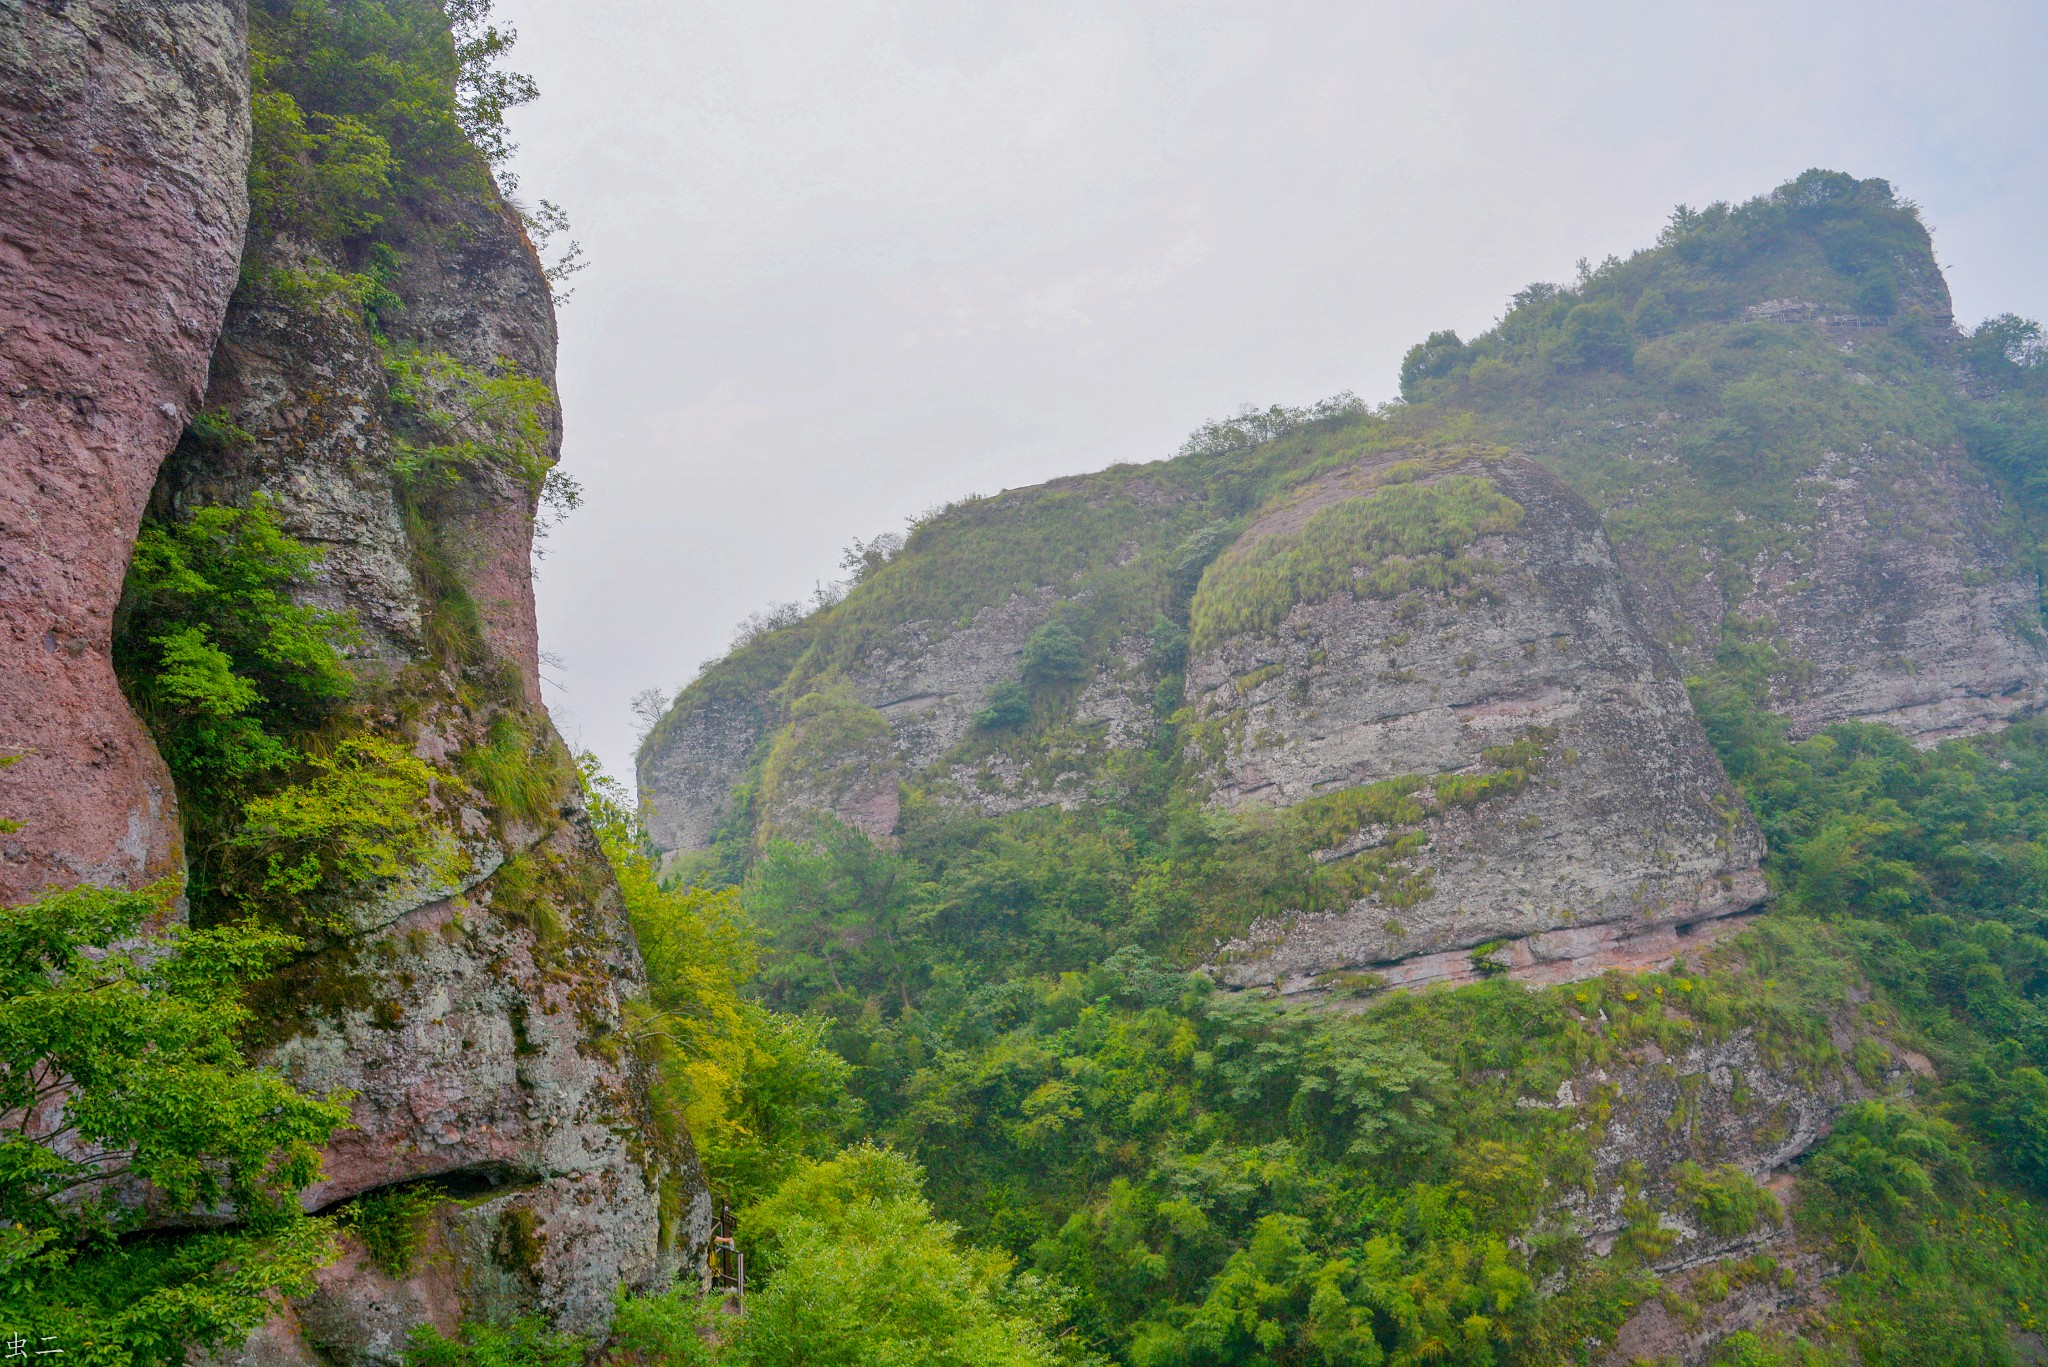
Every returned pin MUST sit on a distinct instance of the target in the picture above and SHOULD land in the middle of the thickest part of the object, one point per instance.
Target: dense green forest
(1207, 1178)
(968, 1088)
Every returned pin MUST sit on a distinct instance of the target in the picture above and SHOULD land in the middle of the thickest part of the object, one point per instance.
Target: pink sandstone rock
(124, 138)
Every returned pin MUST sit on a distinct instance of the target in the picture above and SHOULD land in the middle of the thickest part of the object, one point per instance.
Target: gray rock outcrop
(1915, 611)
(1607, 806)
(480, 1026)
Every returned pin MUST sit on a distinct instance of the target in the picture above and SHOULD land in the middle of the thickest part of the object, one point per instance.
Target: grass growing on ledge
(1406, 536)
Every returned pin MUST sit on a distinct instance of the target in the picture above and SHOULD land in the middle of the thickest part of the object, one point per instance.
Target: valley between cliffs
(1554, 869)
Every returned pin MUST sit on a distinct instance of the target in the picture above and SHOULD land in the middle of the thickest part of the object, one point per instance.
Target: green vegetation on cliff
(1412, 535)
(120, 1074)
(973, 1103)
(1736, 358)
(306, 795)
(290, 808)
(1209, 1178)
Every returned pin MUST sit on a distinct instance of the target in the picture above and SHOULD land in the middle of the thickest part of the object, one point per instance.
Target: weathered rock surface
(480, 1025)
(695, 761)
(1719, 1102)
(124, 141)
(1569, 801)
(688, 772)
(1915, 611)
(1708, 1105)
(1908, 603)
(1726, 1103)
(926, 681)
(929, 683)
(320, 453)
(485, 1044)
(836, 756)
(1625, 817)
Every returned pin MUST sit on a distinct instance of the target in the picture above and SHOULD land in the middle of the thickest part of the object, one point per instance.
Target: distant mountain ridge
(1769, 414)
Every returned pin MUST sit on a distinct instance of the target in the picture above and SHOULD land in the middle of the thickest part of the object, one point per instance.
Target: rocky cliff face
(1552, 779)
(478, 1024)
(1907, 601)
(1779, 433)
(1426, 655)
(124, 145)
(473, 1008)
(1915, 610)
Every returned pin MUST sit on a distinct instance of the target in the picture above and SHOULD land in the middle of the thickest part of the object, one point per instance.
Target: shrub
(1009, 707)
(519, 768)
(1054, 655)
(525, 1342)
(305, 852)
(2007, 346)
(1596, 337)
(1883, 1164)
(392, 1224)
(142, 1045)
(860, 1271)
(219, 657)
(1877, 294)
(1726, 1200)
(1654, 314)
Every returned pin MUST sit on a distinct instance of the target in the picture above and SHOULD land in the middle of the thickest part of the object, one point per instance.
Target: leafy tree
(1654, 314)
(369, 103)
(242, 686)
(757, 1092)
(1877, 293)
(1009, 707)
(861, 1272)
(129, 1104)
(863, 558)
(330, 177)
(1596, 336)
(847, 911)
(219, 656)
(303, 853)
(1434, 357)
(2007, 347)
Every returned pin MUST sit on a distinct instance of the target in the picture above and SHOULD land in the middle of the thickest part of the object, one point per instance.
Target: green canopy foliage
(291, 813)
(129, 1104)
(217, 653)
(862, 1272)
(368, 104)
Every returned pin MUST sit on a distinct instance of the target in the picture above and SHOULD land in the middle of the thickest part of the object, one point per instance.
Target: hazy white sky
(853, 259)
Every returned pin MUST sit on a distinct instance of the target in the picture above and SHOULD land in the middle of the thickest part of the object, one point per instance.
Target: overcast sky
(850, 260)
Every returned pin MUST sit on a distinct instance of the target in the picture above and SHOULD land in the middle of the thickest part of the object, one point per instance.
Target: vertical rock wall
(481, 1026)
(124, 145)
